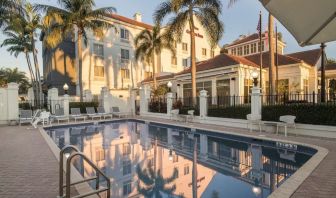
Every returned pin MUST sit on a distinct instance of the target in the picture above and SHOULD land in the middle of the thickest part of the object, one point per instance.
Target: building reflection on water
(144, 160)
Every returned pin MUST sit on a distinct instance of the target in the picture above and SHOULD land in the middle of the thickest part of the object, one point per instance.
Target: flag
(259, 24)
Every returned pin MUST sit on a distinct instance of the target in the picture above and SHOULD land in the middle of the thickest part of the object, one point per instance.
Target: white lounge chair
(174, 114)
(116, 112)
(253, 120)
(60, 116)
(90, 111)
(103, 113)
(190, 116)
(25, 116)
(286, 121)
(76, 114)
(44, 117)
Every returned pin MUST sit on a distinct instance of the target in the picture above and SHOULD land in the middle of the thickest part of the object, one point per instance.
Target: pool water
(157, 160)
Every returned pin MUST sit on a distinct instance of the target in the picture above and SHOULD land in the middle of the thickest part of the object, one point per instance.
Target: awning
(309, 21)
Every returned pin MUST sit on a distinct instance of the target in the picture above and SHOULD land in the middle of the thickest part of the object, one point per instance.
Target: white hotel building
(109, 62)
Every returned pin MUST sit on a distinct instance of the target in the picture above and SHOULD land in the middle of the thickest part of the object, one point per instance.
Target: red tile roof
(130, 21)
(310, 57)
(282, 59)
(331, 66)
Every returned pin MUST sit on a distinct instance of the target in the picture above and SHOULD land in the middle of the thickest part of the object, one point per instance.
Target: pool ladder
(68, 183)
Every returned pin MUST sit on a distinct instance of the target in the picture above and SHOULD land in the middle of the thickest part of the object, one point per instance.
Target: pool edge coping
(287, 189)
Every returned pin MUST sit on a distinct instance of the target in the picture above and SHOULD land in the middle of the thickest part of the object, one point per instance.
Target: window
(240, 51)
(185, 62)
(253, 48)
(173, 60)
(206, 85)
(127, 167)
(98, 50)
(204, 52)
(124, 54)
(99, 70)
(234, 51)
(124, 34)
(127, 188)
(184, 47)
(100, 155)
(305, 86)
(186, 169)
(175, 158)
(125, 73)
(223, 91)
(212, 53)
(126, 149)
(246, 49)
(262, 46)
(148, 74)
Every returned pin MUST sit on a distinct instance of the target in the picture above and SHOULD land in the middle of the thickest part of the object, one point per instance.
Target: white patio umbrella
(309, 21)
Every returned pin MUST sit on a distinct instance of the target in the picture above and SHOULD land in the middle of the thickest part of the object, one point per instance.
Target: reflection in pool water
(154, 160)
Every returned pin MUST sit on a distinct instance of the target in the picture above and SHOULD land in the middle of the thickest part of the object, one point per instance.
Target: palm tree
(271, 69)
(149, 44)
(75, 16)
(185, 12)
(8, 75)
(153, 184)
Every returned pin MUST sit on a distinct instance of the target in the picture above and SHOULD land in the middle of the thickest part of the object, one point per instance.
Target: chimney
(138, 17)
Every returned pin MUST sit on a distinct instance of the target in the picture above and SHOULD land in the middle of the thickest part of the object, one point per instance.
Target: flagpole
(260, 49)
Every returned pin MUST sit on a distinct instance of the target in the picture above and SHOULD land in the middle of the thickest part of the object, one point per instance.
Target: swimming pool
(144, 159)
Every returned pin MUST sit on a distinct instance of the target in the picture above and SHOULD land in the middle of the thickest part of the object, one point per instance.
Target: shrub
(82, 105)
(238, 112)
(157, 107)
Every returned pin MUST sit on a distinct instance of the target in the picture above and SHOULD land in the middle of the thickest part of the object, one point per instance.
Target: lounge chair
(103, 113)
(90, 111)
(116, 112)
(59, 115)
(174, 114)
(44, 117)
(286, 121)
(251, 121)
(25, 116)
(76, 114)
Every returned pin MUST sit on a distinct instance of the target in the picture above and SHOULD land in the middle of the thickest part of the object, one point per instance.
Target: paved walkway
(28, 168)
(320, 184)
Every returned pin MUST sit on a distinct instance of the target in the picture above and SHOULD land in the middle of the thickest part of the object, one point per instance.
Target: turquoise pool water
(158, 160)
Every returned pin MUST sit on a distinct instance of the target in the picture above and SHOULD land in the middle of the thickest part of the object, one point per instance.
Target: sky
(241, 18)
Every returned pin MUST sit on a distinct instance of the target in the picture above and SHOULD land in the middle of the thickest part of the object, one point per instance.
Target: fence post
(66, 107)
(144, 97)
(88, 96)
(256, 103)
(170, 98)
(52, 99)
(203, 104)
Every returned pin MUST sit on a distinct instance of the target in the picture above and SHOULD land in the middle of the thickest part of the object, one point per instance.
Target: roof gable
(310, 57)
(130, 21)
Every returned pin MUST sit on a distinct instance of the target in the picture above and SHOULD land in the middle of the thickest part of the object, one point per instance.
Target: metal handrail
(60, 187)
(98, 173)
(68, 174)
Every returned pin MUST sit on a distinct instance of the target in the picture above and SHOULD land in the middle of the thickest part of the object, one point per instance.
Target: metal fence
(157, 105)
(296, 98)
(228, 101)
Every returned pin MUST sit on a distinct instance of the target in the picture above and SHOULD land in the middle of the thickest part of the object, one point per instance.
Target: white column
(144, 97)
(88, 96)
(256, 103)
(66, 104)
(170, 98)
(204, 145)
(53, 98)
(132, 99)
(12, 101)
(203, 104)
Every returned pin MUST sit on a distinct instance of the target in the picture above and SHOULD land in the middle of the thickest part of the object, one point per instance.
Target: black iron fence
(228, 101)
(187, 103)
(296, 98)
(157, 105)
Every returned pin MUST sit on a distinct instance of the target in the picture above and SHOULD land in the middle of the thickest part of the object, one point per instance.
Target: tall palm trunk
(31, 72)
(80, 69)
(37, 72)
(271, 69)
(154, 71)
(192, 56)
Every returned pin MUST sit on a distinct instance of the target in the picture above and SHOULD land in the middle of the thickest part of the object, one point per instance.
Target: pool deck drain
(28, 168)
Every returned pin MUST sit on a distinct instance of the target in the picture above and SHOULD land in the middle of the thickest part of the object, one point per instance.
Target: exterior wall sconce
(65, 88)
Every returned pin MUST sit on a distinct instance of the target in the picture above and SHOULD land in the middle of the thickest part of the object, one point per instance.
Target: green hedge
(322, 114)
(82, 105)
(238, 112)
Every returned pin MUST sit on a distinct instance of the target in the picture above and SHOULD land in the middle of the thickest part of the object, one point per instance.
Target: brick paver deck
(28, 168)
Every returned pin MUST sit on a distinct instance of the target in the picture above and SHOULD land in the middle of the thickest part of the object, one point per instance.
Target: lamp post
(169, 85)
(65, 88)
(255, 76)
